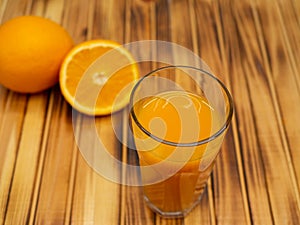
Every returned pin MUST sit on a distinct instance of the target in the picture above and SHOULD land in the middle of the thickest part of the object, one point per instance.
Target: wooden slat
(225, 188)
(133, 205)
(111, 195)
(27, 161)
(138, 26)
(56, 183)
(162, 21)
(182, 34)
(29, 142)
(296, 8)
(12, 107)
(78, 19)
(93, 193)
(288, 18)
(290, 31)
(204, 212)
(254, 170)
(3, 4)
(10, 131)
(164, 221)
(50, 186)
(180, 30)
(15, 8)
(269, 140)
(52, 181)
(3, 100)
(109, 21)
(139, 20)
(277, 64)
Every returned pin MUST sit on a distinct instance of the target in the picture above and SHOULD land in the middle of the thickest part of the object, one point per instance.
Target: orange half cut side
(97, 76)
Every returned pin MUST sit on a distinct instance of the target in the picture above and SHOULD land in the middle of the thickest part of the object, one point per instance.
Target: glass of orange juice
(179, 116)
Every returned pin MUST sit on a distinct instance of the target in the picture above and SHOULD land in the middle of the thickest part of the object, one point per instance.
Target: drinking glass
(179, 116)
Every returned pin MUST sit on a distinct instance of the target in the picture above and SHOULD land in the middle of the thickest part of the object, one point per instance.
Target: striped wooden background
(252, 45)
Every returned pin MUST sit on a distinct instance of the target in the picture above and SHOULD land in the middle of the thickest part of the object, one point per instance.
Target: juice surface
(172, 172)
(175, 116)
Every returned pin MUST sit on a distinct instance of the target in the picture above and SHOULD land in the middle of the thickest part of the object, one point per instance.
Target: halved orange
(97, 76)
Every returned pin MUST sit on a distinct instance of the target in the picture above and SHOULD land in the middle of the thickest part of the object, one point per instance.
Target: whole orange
(32, 49)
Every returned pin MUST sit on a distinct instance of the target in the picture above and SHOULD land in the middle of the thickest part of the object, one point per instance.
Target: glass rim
(183, 144)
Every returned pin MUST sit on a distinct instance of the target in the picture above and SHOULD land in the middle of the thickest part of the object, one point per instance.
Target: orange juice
(172, 178)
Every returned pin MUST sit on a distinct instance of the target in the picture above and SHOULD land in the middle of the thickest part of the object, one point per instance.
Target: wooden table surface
(253, 46)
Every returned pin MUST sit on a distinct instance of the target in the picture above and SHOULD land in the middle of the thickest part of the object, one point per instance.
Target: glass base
(173, 214)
